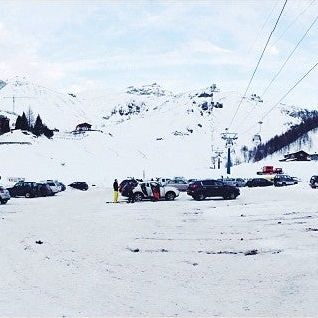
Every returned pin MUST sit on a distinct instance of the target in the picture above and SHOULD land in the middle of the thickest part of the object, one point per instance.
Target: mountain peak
(151, 89)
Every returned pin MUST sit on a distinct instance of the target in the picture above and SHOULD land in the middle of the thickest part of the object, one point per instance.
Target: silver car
(4, 195)
(235, 182)
(180, 184)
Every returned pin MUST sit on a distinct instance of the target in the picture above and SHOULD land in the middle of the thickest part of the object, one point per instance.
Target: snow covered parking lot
(253, 256)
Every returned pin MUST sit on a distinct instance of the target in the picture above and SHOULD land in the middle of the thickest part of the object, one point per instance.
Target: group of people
(129, 188)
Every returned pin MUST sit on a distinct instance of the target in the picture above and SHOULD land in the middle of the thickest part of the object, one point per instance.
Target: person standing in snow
(115, 194)
(155, 191)
(131, 195)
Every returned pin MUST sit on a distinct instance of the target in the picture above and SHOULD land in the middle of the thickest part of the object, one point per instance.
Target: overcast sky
(182, 45)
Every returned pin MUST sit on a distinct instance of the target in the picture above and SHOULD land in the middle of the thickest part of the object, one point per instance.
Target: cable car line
(289, 56)
(258, 63)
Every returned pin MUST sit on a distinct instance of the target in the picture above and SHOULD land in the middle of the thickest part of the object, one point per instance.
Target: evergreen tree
(18, 123)
(24, 122)
(6, 126)
(38, 128)
(47, 132)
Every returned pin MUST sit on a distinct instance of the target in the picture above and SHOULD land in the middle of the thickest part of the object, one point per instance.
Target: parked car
(180, 184)
(259, 182)
(163, 181)
(30, 189)
(54, 185)
(79, 185)
(143, 190)
(201, 189)
(4, 195)
(284, 180)
(313, 182)
(62, 185)
(235, 182)
(123, 189)
(44, 190)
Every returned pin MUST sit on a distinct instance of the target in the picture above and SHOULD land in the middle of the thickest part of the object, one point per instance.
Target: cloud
(189, 43)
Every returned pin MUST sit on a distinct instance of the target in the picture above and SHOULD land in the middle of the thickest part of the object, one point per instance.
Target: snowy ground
(181, 258)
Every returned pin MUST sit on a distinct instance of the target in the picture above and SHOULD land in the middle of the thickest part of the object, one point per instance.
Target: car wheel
(199, 197)
(138, 196)
(28, 195)
(3, 201)
(284, 184)
(229, 196)
(170, 196)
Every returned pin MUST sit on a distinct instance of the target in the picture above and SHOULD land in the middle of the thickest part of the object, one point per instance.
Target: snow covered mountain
(58, 110)
(140, 130)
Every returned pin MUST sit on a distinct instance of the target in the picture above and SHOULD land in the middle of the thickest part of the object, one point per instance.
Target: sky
(77, 46)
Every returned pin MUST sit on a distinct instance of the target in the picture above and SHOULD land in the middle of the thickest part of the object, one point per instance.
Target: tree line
(26, 122)
(300, 131)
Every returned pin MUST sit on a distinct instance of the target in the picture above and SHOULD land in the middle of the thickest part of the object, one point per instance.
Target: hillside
(140, 130)
(58, 110)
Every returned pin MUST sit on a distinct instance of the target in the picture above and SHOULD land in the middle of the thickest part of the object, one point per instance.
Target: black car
(259, 182)
(201, 189)
(123, 189)
(44, 190)
(314, 182)
(79, 185)
(30, 190)
(63, 187)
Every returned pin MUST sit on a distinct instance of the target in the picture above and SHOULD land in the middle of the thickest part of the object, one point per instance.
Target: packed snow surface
(253, 256)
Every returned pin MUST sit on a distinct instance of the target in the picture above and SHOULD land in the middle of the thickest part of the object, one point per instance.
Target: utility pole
(13, 100)
(214, 155)
(229, 138)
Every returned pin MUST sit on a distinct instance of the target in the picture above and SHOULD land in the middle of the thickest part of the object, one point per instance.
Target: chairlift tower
(229, 138)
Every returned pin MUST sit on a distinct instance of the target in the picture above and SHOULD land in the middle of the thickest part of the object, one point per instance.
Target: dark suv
(314, 182)
(123, 186)
(79, 185)
(258, 182)
(30, 190)
(201, 189)
(281, 180)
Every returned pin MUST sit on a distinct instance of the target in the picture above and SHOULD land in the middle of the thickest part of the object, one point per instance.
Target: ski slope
(138, 131)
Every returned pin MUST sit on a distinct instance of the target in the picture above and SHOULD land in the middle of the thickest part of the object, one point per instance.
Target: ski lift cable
(284, 96)
(283, 65)
(289, 56)
(293, 22)
(258, 63)
(263, 26)
(292, 88)
(249, 113)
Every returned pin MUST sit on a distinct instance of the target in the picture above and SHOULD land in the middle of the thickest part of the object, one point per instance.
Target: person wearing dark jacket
(115, 194)
(131, 195)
